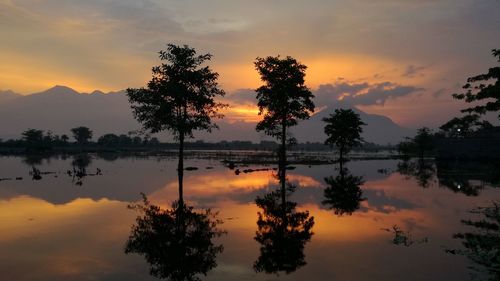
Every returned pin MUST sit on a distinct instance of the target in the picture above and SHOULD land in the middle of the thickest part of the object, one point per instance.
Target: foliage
(180, 96)
(422, 143)
(343, 193)
(82, 135)
(177, 242)
(32, 137)
(343, 128)
(282, 233)
(483, 87)
(464, 126)
(283, 99)
(482, 245)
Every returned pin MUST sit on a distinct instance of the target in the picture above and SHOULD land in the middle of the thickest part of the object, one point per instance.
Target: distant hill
(8, 95)
(61, 108)
(380, 129)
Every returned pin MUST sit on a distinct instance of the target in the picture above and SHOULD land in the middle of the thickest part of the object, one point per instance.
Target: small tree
(64, 139)
(33, 138)
(283, 99)
(424, 141)
(82, 135)
(343, 128)
(479, 88)
(180, 97)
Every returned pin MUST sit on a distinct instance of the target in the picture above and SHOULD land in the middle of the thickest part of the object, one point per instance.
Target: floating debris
(191, 168)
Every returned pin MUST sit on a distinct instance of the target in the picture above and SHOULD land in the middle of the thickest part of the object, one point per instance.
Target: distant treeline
(34, 140)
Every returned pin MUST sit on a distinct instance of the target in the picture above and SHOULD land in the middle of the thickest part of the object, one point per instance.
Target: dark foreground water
(380, 220)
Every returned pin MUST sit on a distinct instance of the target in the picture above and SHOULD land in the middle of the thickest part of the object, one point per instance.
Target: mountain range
(61, 108)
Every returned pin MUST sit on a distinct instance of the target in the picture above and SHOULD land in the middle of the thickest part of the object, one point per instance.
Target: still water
(377, 220)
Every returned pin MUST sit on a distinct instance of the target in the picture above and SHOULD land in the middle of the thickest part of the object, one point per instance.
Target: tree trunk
(341, 157)
(180, 168)
(282, 164)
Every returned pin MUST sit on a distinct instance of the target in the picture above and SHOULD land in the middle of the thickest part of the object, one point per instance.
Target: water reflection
(469, 177)
(178, 243)
(466, 177)
(282, 231)
(343, 194)
(422, 170)
(482, 244)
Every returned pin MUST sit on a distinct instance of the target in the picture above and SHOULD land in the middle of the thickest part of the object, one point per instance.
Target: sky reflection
(60, 231)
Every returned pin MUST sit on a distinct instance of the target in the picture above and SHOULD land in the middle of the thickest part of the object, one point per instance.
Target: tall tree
(343, 128)
(483, 87)
(82, 135)
(283, 99)
(180, 98)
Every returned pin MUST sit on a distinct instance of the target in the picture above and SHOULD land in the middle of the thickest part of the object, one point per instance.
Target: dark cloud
(439, 93)
(361, 93)
(414, 71)
(243, 96)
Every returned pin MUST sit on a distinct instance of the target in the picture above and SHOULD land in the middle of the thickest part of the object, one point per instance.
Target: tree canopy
(284, 98)
(343, 128)
(81, 134)
(180, 97)
(483, 87)
(464, 126)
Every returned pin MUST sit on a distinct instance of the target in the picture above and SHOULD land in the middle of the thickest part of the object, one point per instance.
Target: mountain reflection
(343, 194)
(282, 231)
(482, 244)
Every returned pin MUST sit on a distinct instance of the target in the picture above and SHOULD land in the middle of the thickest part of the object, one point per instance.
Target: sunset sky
(399, 58)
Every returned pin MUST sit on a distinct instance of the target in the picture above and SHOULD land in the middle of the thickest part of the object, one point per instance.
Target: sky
(399, 58)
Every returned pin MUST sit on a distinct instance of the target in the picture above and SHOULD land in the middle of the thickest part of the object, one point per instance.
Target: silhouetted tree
(483, 87)
(33, 138)
(180, 97)
(283, 99)
(464, 126)
(109, 140)
(424, 141)
(343, 128)
(343, 193)
(65, 139)
(282, 233)
(82, 135)
(176, 242)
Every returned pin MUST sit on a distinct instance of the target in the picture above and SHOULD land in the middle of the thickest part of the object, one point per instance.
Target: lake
(377, 220)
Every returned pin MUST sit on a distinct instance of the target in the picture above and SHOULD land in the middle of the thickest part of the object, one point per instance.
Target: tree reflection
(468, 177)
(343, 193)
(282, 231)
(423, 171)
(482, 245)
(176, 242)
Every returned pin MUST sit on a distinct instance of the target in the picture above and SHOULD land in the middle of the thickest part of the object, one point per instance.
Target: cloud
(364, 93)
(242, 96)
(413, 71)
